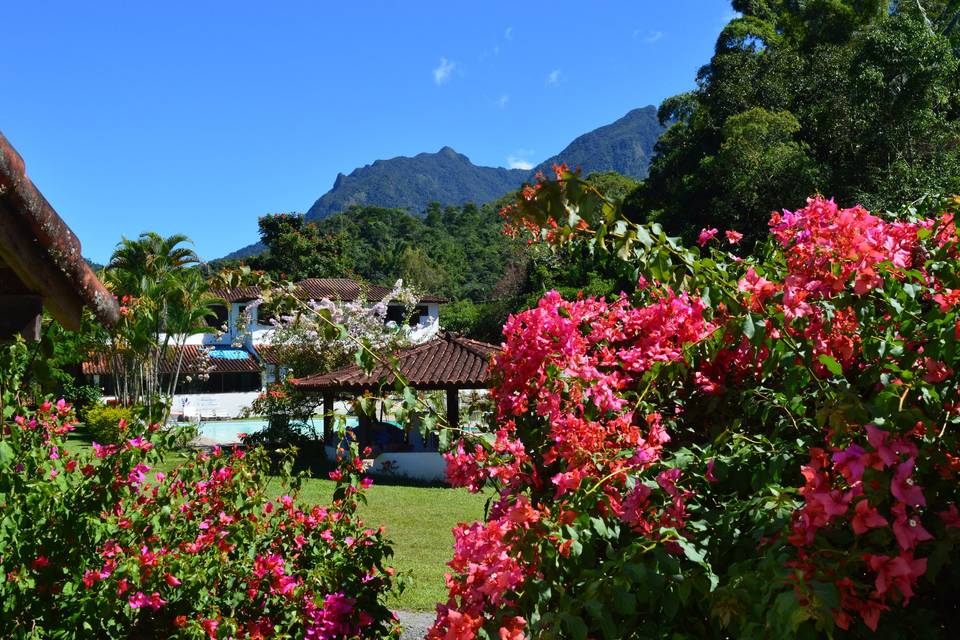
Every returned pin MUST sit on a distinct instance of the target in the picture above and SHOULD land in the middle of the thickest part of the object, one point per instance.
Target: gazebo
(448, 362)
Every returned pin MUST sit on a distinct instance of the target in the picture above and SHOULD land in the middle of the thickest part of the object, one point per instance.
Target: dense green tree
(856, 99)
(458, 252)
(297, 249)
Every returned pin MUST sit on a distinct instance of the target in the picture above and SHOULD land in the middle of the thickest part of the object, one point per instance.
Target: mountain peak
(414, 182)
(448, 177)
(625, 146)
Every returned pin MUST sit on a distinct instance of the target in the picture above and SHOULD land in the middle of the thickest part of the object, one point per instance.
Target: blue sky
(199, 117)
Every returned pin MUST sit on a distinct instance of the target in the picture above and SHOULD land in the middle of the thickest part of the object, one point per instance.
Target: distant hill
(250, 250)
(624, 146)
(447, 177)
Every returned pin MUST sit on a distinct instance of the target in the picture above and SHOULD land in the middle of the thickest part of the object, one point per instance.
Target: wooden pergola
(40, 260)
(447, 363)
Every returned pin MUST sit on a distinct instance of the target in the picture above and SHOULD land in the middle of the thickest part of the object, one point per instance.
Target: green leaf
(749, 329)
(831, 364)
(575, 626)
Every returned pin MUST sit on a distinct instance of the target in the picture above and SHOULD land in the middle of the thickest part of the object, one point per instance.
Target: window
(416, 316)
(219, 319)
(395, 314)
(420, 314)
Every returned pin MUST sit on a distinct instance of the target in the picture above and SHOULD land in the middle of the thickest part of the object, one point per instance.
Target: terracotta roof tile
(268, 353)
(448, 361)
(239, 294)
(195, 360)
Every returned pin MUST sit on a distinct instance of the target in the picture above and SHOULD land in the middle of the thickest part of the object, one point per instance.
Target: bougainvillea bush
(104, 544)
(757, 446)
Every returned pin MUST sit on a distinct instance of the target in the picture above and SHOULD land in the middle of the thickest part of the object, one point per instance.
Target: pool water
(228, 431)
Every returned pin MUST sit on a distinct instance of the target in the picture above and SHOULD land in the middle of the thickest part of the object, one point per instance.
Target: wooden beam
(37, 272)
(328, 418)
(363, 430)
(20, 314)
(453, 408)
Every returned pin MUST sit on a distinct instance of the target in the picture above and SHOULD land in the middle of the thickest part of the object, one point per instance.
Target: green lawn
(418, 521)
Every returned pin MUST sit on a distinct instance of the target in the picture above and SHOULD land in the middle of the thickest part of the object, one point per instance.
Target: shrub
(81, 396)
(99, 544)
(745, 447)
(289, 425)
(104, 422)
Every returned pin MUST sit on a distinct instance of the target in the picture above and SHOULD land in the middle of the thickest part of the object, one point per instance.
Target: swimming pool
(228, 431)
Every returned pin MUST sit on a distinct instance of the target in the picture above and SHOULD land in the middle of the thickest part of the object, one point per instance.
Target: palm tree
(152, 257)
(170, 299)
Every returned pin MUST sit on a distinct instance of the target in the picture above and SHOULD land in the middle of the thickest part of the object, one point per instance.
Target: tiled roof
(346, 290)
(446, 362)
(268, 353)
(239, 294)
(334, 289)
(41, 250)
(195, 360)
(342, 289)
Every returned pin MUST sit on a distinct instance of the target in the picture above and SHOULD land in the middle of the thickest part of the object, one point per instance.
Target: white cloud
(518, 159)
(553, 78)
(730, 15)
(649, 37)
(502, 101)
(508, 34)
(442, 73)
(519, 163)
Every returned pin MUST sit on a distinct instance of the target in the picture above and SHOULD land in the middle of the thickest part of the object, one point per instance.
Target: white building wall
(194, 406)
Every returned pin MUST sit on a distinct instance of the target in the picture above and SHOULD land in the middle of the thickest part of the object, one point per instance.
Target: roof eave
(43, 252)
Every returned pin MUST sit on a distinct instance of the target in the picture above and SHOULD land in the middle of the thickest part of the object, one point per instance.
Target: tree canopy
(857, 99)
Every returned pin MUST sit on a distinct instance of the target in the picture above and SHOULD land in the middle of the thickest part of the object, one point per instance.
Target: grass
(418, 521)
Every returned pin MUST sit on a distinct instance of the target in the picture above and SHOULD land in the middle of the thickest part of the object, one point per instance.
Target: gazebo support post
(363, 428)
(328, 418)
(453, 408)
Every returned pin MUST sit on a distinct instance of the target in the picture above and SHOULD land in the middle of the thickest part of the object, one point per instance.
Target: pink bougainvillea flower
(140, 443)
(950, 517)
(900, 572)
(102, 451)
(733, 237)
(908, 530)
(903, 486)
(706, 235)
(866, 518)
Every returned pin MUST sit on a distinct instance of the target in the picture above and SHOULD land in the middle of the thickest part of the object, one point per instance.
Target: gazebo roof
(448, 361)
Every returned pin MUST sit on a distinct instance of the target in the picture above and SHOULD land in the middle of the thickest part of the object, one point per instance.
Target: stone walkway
(415, 624)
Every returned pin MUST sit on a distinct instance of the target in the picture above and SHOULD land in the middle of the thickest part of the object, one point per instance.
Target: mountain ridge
(412, 182)
(625, 146)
